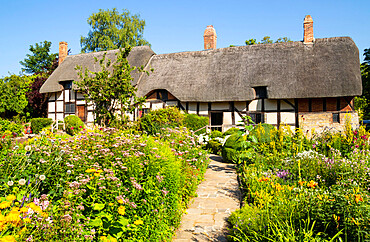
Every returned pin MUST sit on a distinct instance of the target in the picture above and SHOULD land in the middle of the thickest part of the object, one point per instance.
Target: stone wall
(324, 121)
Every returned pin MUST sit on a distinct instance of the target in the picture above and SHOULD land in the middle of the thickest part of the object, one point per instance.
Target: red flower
(72, 128)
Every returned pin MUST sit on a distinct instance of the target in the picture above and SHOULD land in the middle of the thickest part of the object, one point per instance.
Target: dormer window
(261, 92)
(67, 85)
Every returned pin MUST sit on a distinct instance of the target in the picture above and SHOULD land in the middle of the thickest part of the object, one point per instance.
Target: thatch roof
(328, 68)
(139, 56)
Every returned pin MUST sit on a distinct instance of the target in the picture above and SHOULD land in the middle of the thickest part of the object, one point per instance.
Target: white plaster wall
(255, 105)
(146, 105)
(66, 94)
(227, 118)
(60, 116)
(192, 108)
(59, 106)
(238, 119)
(73, 95)
(220, 106)
(156, 106)
(240, 106)
(52, 116)
(51, 107)
(284, 105)
(90, 117)
(80, 102)
(59, 96)
(203, 109)
(271, 118)
(287, 117)
(270, 105)
(90, 107)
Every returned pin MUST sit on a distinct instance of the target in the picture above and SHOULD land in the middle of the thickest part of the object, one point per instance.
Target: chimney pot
(63, 51)
(308, 30)
(210, 38)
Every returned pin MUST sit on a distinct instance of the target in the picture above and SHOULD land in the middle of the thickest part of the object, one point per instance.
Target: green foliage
(262, 132)
(195, 122)
(216, 134)
(231, 131)
(305, 190)
(100, 184)
(214, 146)
(9, 128)
(107, 89)
(113, 30)
(73, 124)
(267, 40)
(233, 147)
(13, 99)
(40, 61)
(155, 120)
(362, 102)
(37, 124)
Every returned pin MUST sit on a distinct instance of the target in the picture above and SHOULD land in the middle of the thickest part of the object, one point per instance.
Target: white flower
(10, 183)
(42, 177)
(28, 148)
(22, 182)
(16, 147)
(69, 172)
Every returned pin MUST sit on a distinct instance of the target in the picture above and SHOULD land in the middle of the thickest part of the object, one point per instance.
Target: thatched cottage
(307, 84)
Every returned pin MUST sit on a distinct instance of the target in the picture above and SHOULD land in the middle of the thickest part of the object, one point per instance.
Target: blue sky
(175, 26)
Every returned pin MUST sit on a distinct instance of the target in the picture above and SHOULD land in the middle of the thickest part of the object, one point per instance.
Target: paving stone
(218, 197)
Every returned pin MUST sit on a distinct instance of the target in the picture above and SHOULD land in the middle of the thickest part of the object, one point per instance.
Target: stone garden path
(218, 196)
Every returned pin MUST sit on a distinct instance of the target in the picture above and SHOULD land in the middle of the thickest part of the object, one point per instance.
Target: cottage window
(67, 85)
(336, 118)
(162, 95)
(261, 92)
(256, 117)
(70, 108)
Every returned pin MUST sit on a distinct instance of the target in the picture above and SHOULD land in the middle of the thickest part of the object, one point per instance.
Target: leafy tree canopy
(13, 99)
(267, 40)
(109, 90)
(113, 30)
(40, 61)
(362, 103)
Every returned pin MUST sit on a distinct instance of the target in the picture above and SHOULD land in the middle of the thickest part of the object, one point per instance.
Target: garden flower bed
(300, 189)
(101, 185)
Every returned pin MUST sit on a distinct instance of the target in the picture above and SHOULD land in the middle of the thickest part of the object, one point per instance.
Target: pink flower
(72, 128)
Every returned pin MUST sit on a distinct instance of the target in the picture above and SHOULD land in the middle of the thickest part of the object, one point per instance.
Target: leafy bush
(100, 184)
(262, 132)
(37, 124)
(216, 134)
(14, 128)
(195, 122)
(155, 120)
(215, 146)
(231, 131)
(73, 124)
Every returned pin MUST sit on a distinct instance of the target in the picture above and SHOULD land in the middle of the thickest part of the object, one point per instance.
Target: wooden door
(81, 112)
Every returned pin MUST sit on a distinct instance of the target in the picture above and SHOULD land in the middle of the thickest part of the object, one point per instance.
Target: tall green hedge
(73, 124)
(195, 122)
(37, 124)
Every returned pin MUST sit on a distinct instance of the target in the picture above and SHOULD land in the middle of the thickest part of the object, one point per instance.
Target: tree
(13, 98)
(40, 61)
(362, 102)
(113, 30)
(267, 40)
(109, 90)
(37, 102)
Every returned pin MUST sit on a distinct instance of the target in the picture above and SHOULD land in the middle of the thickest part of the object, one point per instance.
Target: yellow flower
(96, 174)
(8, 238)
(312, 184)
(11, 198)
(120, 201)
(301, 183)
(90, 170)
(121, 210)
(358, 198)
(5, 204)
(111, 204)
(27, 220)
(138, 222)
(24, 210)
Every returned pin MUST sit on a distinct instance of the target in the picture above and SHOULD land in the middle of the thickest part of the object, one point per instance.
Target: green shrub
(37, 124)
(14, 128)
(262, 132)
(195, 122)
(215, 146)
(155, 120)
(232, 147)
(231, 131)
(216, 134)
(73, 124)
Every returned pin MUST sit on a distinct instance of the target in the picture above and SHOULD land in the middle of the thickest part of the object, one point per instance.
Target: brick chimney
(63, 51)
(308, 30)
(210, 38)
